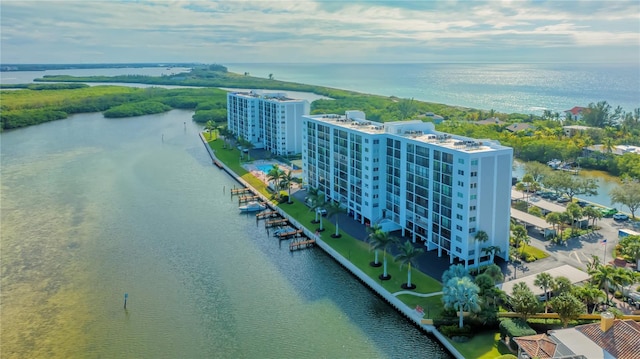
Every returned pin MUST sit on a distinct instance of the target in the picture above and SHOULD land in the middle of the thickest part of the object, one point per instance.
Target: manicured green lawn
(538, 253)
(355, 250)
(482, 346)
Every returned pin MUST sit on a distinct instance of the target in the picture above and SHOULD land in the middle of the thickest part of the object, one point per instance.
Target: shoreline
(398, 305)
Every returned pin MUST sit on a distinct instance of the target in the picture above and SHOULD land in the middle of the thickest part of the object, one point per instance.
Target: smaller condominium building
(437, 188)
(270, 121)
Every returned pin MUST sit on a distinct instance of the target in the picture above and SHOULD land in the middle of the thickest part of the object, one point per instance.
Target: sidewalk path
(422, 295)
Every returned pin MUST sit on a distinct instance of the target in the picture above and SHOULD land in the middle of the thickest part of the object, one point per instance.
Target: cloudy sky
(234, 31)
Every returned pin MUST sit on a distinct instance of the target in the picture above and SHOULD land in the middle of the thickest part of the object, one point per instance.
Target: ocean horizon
(528, 88)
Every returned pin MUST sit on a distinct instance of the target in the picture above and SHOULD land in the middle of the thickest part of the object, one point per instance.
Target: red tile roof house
(575, 113)
(610, 339)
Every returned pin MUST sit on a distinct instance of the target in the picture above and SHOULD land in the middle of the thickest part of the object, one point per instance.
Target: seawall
(407, 312)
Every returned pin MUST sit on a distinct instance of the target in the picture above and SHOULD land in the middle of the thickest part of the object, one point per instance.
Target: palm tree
(333, 209)
(523, 300)
(454, 271)
(287, 180)
(519, 236)
(494, 271)
(382, 241)
(491, 251)
(594, 263)
(575, 213)
(622, 277)
(460, 293)
(320, 202)
(275, 175)
(568, 308)
(602, 276)
(481, 236)
(210, 126)
(592, 214)
(553, 218)
(313, 195)
(371, 230)
(545, 281)
(407, 255)
(590, 295)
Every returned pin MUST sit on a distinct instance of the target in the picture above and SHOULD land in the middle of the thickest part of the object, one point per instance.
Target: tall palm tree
(287, 180)
(382, 241)
(371, 233)
(407, 255)
(320, 202)
(460, 294)
(275, 175)
(313, 194)
(545, 281)
(481, 236)
(334, 209)
(602, 276)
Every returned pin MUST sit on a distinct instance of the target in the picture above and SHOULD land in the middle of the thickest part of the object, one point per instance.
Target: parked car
(582, 203)
(620, 217)
(563, 199)
(322, 212)
(608, 212)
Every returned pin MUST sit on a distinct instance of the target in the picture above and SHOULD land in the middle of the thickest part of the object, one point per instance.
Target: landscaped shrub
(513, 328)
(455, 331)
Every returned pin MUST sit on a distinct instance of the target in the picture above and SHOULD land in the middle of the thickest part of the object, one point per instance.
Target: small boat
(252, 206)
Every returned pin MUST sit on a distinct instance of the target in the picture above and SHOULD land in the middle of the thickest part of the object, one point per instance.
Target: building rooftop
(537, 346)
(621, 341)
(416, 130)
(275, 96)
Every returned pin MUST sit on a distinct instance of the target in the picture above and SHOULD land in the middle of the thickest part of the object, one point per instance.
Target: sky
(354, 31)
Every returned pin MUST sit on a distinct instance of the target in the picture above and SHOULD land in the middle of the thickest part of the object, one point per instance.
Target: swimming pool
(264, 168)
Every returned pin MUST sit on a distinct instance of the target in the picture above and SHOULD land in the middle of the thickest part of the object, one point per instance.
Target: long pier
(370, 282)
(245, 199)
(267, 214)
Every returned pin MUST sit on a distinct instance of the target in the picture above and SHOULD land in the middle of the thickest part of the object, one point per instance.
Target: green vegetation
(136, 109)
(27, 107)
(483, 346)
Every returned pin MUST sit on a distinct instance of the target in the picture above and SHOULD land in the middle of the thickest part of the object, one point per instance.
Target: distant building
(517, 127)
(491, 121)
(575, 113)
(618, 150)
(435, 187)
(271, 121)
(610, 339)
(437, 119)
(573, 130)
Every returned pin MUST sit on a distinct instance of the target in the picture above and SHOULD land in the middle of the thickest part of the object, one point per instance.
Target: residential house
(573, 130)
(610, 339)
(575, 113)
(517, 127)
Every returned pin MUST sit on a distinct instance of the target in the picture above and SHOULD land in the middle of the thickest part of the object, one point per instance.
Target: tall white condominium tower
(436, 188)
(270, 121)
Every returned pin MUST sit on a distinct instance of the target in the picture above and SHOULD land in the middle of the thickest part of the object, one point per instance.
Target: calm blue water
(93, 208)
(523, 88)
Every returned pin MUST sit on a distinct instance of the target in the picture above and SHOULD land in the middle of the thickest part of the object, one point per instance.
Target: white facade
(437, 188)
(271, 121)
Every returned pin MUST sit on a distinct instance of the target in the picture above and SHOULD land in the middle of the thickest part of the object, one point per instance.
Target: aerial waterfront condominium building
(436, 188)
(271, 121)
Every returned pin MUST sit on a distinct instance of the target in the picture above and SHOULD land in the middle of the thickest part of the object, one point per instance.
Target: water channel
(93, 208)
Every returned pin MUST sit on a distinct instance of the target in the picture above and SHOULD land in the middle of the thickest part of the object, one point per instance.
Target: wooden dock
(245, 199)
(276, 223)
(291, 234)
(302, 244)
(240, 191)
(268, 214)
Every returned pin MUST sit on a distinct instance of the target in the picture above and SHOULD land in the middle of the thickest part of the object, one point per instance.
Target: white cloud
(261, 31)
